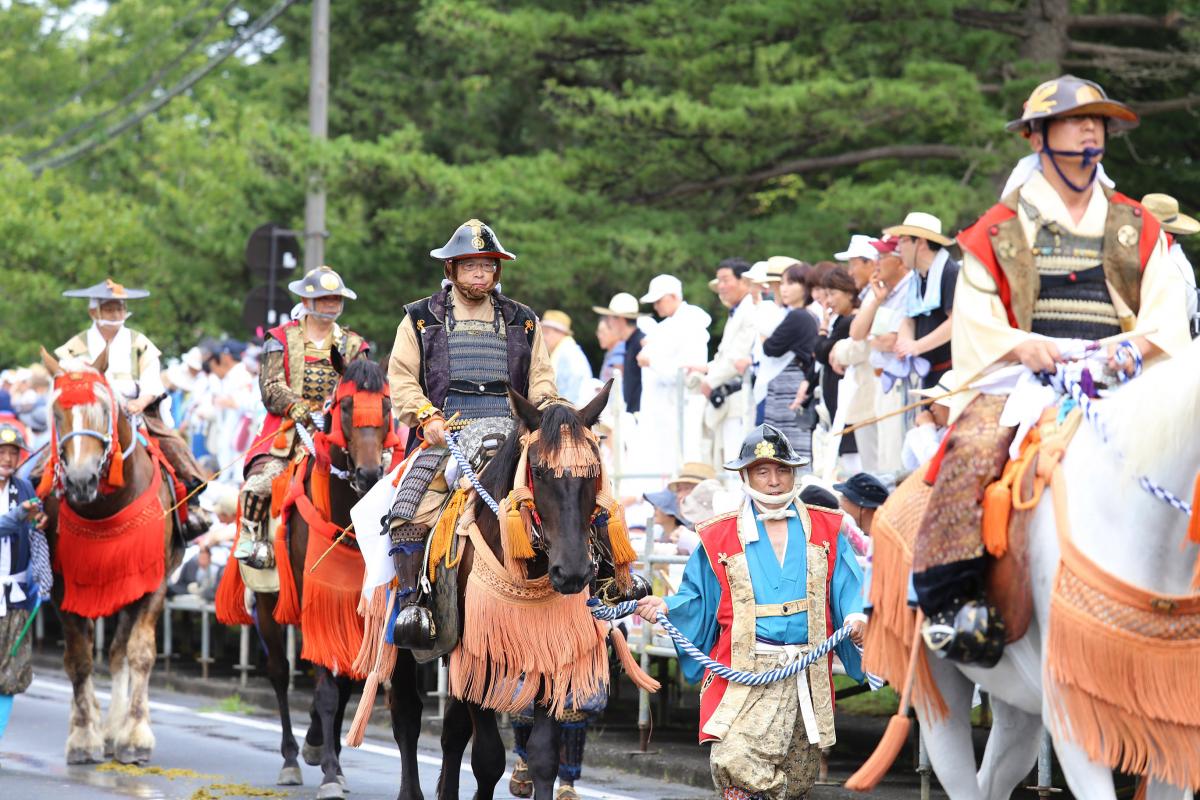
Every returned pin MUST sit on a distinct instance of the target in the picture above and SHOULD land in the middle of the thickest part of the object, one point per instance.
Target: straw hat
(623, 304)
(757, 273)
(1166, 210)
(949, 382)
(920, 225)
(557, 320)
(692, 472)
(777, 265)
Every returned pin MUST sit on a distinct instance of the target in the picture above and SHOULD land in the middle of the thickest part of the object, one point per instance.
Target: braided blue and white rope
(610, 613)
(469, 474)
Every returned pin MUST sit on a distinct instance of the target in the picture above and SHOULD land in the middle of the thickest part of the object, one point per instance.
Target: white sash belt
(15, 593)
(787, 654)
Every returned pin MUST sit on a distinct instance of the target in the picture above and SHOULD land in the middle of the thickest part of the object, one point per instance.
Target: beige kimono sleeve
(542, 387)
(1164, 302)
(404, 374)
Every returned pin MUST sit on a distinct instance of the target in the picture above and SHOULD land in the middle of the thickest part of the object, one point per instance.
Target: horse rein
(106, 441)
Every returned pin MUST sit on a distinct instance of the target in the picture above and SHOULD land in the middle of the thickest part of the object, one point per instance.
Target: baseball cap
(661, 286)
(859, 247)
(885, 246)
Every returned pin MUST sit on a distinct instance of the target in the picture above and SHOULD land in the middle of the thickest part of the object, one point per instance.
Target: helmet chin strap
(1091, 158)
(782, 503)
(322, 315)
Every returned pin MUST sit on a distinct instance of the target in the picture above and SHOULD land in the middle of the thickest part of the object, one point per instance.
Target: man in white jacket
(722, 377)
(680, 339)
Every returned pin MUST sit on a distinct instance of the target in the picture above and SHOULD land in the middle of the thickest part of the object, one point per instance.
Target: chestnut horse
(99, 467)
(566, 553)
(356, 466)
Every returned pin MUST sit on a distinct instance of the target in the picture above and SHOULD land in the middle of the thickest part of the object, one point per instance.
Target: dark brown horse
(356, 466)
(85, 414)
(565, 554)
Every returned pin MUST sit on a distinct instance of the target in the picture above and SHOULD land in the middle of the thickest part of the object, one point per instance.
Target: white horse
(1154, 430)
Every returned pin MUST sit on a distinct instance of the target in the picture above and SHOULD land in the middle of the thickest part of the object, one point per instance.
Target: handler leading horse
(112, 543)
(565, 558)
(319, 580)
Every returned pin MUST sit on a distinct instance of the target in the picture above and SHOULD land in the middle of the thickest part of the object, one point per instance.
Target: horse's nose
(566, 581)
(366, 477)
(82, 488)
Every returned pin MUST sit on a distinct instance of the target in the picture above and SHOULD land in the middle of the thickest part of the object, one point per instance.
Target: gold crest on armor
(1127, 235)
(764, 450)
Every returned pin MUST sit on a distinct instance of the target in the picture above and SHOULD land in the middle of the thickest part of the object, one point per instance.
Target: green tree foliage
(605, 142)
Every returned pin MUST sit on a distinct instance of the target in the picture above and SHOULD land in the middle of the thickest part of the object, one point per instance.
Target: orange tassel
(280, 442)
(628, 663)
(517, 525)
(1194, 522)
(443, 534)
(46, 484)
(618, 533)
(366, 704)
(997, 509)
(116, 465)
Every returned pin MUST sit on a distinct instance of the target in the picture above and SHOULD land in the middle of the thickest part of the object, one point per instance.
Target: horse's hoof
(132, 755)
(290, 776)
(311, 754)
(331, 791)
(80, 755)
(110, 749)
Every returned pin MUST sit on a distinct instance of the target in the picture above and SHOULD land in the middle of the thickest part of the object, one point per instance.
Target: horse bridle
(105, 440)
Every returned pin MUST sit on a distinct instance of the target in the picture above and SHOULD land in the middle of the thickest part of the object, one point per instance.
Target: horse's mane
(559, 421)
(366, 375)
(1153, 418)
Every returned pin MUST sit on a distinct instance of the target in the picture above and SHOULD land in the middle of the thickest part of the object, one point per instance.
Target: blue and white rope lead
(469, 474)
(624, 609)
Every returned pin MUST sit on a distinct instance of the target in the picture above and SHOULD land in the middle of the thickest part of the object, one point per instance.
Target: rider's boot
(414, 627)
(967, 630)
(198, 520)
(254, 548)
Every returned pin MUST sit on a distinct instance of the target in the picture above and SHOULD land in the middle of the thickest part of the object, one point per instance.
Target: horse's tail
(231, 591)
(632, 668)
(376, 658)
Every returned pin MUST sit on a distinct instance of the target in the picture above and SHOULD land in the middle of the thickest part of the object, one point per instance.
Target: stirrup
(254, 552)
(414, 628)
(968, 632)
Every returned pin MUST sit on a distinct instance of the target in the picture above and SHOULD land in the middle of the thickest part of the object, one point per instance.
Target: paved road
(227, 755)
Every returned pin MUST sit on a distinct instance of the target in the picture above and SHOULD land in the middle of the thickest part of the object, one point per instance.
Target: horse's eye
(539, 472)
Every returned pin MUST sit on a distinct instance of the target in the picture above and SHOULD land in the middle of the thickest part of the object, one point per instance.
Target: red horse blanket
(108, 563)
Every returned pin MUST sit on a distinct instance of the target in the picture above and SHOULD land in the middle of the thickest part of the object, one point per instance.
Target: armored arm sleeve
(277, 396)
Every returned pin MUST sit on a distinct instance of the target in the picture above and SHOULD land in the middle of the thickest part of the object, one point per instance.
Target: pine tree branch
(1169, 22)
(1152, 107)
(803, 165)
(1130, 54)
(1006, 22)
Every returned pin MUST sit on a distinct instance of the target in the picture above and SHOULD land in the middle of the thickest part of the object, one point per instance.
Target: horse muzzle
(366, 477)
(569, 581)
(81, 486)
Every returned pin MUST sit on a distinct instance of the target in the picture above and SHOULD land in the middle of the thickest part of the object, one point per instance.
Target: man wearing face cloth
(1061, 257)
(296, 379)
(768, 582)
(457, 351)
(134, 373)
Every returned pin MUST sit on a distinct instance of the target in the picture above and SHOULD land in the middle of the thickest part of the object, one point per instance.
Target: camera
(719, 393)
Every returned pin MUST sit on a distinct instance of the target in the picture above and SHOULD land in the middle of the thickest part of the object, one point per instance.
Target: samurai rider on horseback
(456, 355)
(133, 371)
(298, 376)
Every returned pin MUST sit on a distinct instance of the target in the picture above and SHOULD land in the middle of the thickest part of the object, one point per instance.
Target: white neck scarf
(761, 501)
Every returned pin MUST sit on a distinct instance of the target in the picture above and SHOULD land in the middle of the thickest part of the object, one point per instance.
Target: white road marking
(274, 727)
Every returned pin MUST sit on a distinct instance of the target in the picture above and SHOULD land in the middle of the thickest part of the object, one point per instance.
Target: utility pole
(318, 128)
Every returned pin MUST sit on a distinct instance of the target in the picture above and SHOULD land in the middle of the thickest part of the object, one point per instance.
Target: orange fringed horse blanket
(108, 563)
(516, 628)
(328, 611)
(1121, 668)
(893, 623)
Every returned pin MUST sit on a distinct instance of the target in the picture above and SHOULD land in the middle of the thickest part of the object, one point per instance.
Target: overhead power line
(116, 69)
(191, 79)
(128, 99)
